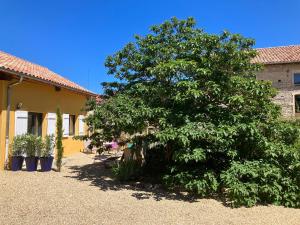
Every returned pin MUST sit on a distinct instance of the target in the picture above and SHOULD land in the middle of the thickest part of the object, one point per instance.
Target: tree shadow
(99, 176)
(102, 177)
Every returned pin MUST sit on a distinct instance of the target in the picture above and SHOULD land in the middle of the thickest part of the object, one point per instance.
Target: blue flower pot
(31, 163)
(16, 163)
(46, 163)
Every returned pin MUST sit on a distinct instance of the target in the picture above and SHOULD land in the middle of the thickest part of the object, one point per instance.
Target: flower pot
(46, 163)
(31, 163)
(16, 163)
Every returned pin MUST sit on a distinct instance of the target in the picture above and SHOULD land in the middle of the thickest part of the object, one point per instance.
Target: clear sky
(74, 37)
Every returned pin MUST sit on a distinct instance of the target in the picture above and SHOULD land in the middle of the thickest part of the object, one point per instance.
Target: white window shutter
(66, 121)
(21, 122)
(51, 119)
(81, 124)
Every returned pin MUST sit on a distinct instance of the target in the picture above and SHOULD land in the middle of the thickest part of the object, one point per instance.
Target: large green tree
(217, 124)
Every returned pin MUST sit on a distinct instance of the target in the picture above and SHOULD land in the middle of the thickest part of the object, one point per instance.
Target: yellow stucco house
(29, 97)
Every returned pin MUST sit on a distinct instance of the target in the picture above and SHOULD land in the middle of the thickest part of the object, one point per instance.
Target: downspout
(9, 90)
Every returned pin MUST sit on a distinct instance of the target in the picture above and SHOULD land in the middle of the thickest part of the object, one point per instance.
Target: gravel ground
(84, 193)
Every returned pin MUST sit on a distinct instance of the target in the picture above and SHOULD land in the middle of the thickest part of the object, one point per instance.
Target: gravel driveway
(84, 193)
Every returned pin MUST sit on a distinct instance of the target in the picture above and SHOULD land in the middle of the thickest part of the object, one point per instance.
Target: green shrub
(30, 145)
(49, 144)
(39, 146)
(255, 182)
(127, 170)
(33, 145)
(59, 135)
(251, 182)
(18, 145)
(202, 184)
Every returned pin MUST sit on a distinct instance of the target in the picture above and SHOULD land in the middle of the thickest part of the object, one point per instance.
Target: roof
(10, 63)
(278, 55)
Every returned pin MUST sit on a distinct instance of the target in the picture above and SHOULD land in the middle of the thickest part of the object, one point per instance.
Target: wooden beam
(5, 76)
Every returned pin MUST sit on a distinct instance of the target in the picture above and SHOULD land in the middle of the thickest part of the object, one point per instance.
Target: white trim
(21, 122)
(51, 128)
(66, 125)
(81, 125)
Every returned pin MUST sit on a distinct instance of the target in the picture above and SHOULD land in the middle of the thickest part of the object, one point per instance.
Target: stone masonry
(282, 78)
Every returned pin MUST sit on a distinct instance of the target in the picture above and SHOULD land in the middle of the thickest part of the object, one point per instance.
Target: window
(69, 124)
(297, 103)
(72, 125)
(34, 125)
(297, 79)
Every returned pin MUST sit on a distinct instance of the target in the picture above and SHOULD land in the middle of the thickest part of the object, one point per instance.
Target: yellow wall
(3, 86)
(41, 98)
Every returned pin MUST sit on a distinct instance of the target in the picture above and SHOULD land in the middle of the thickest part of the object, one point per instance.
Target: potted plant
(18, 147)
(46, 158)
(34, 146)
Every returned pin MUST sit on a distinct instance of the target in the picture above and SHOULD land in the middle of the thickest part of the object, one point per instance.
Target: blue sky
(73, 37)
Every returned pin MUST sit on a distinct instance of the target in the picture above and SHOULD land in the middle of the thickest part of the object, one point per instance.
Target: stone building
(282, 68)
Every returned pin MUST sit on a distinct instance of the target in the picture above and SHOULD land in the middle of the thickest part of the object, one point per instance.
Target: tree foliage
(220, 130)
(59, 135)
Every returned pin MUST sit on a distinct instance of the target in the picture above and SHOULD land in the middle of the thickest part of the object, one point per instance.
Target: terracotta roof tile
(18, 65)
(278, 55)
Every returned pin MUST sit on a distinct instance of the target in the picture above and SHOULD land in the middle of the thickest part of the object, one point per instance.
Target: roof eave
(30, 77)
(276, 63)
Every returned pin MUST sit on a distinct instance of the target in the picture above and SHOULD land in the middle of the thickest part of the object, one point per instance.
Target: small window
(34, 125)
(72, 125)
(297, 103)
(297, 79)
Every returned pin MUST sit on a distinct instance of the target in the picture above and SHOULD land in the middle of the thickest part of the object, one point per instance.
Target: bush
(39, 146)
(30, 145)
(33, 145)
(202, 184)
(49, 144)
(127, 170)
(18, 145)
(255, 182)
(260, 165)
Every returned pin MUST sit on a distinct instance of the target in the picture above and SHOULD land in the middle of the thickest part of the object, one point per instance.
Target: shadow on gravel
(101, 177)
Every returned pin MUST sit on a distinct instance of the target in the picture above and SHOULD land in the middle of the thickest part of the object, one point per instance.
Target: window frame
(37, 119)
(294, 75)
(295, 104)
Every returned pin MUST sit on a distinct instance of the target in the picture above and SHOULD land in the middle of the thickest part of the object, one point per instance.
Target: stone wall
(282, 78)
